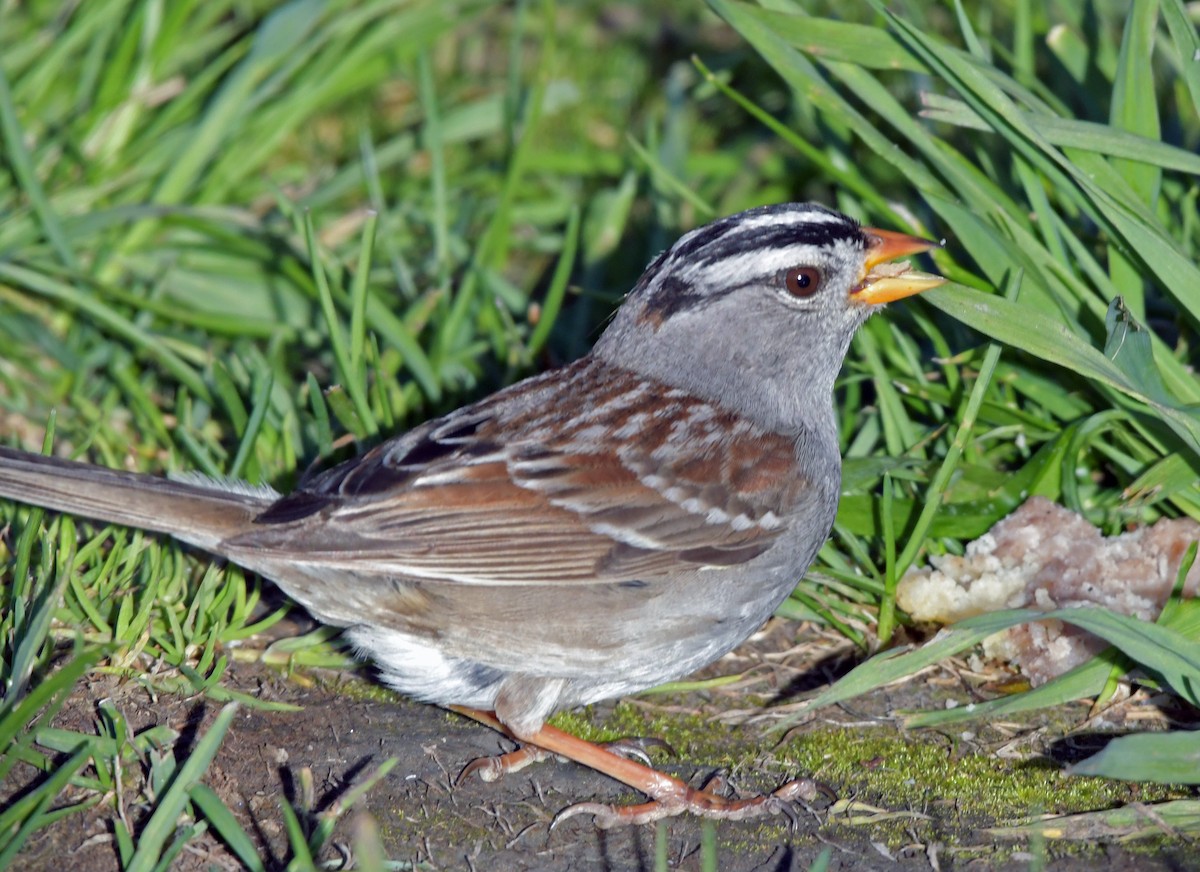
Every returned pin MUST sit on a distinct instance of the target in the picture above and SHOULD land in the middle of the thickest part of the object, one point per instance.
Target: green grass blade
(154, 836)
(558, 286)
(889, 666)
(17, 155)
(1084, 681)
(104, 317)
(1187, 46)
(1154, 646)
(358, 298)
(1007, 322)
(226, 827)
(1075, 133)
(1168, 758)
(26, 816)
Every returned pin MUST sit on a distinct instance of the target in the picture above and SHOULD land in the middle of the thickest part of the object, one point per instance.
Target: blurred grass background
(243, 237)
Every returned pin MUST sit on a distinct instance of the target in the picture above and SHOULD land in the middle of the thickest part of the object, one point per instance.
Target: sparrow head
(756, 310)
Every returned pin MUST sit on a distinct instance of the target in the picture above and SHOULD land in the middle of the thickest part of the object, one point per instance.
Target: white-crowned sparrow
(586, 533)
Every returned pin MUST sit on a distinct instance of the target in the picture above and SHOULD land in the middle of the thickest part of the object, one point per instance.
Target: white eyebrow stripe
(756, 222)
(749, 264)
(788, 219)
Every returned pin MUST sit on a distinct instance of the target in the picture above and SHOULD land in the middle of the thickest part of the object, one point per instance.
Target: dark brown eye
(803, 281)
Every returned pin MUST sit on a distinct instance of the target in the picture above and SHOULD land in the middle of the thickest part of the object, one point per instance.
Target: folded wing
(641, 481)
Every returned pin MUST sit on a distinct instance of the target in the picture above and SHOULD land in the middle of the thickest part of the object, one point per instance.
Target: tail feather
(197, 513)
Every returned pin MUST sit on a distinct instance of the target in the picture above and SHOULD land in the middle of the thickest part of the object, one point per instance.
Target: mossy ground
(903, 792)
(889, 785)
(891, 781)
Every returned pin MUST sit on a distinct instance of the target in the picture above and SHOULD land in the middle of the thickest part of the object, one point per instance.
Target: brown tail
(199, 514)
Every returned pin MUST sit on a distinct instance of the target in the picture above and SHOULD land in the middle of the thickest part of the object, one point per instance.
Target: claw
(718, 785)
(596, 809)
(803, 790)
(492, 769)
(489, 769)
(638, 747)
(606, 817)
(789, 810)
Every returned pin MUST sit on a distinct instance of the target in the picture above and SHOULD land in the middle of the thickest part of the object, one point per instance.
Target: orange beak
(884, 281)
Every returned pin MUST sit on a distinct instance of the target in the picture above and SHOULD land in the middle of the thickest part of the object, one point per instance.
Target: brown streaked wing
(694, 486)
(485, 529)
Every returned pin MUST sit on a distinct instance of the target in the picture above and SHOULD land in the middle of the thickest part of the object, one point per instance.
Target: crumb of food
(1046, 557)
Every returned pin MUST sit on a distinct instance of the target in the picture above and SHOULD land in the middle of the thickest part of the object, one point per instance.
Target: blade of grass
(353, 386)
(226, 827)
(107, 319)
(163, 821)
(1004, 321)
(258, 412)
(1187, 46)
(558, 286)
(941, 479)
(18, 157)
(358, 298)
(30, 813)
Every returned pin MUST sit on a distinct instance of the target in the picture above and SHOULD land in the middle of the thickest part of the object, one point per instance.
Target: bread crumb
(1046, 557)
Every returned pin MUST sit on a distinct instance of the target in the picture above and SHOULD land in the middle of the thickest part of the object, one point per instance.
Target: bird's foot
(620, 760)
(494, 768)
(677, 798)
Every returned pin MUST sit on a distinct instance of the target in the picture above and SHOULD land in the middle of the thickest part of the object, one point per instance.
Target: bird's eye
(803, 281)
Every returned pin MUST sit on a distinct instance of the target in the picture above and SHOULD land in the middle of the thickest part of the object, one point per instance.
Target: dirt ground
(347, 729)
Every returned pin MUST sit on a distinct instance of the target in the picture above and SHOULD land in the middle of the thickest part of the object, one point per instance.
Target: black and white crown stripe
(745, 247)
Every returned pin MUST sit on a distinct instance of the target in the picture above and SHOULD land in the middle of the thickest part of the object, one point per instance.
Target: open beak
(884, 281)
